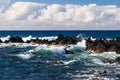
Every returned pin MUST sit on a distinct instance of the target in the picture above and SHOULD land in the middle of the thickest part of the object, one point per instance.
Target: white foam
(57, 49)
(91, 77)
(25, 55)
(27, 38)
(53, 49)
(48, 38)
(98, 61)
(20, 45)
(93, 39)
(42, 38)
(68, 62)
(5, 38)
(110, 55)
(81, 44)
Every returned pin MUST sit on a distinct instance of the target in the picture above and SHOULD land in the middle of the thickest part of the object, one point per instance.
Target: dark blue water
(94, 34)
(35, 62)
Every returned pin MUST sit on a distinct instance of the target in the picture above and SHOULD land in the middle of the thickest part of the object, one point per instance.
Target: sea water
(22, 61)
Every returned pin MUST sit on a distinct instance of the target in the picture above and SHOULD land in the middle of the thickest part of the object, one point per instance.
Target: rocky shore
(61, 40)
(98, 45)
(103, 45)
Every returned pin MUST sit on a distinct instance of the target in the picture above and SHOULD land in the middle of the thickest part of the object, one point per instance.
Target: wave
(25, 55)
(107, 55)
(5, 38)
(68, 62)
(49, 38)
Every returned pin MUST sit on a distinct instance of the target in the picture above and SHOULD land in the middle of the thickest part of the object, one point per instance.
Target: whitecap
(27, 38)
(50, 38)
(5, 38)
(25, 55)
(68, 62)
(81, 44)
(109, 55)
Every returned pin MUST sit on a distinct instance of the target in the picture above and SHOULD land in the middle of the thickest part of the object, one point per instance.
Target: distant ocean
(22, 61)
(85, 33)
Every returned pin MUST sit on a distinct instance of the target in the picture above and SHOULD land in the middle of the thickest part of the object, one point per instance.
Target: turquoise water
(21, 61)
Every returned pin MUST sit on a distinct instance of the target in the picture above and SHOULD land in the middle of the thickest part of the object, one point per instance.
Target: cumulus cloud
(31, 15)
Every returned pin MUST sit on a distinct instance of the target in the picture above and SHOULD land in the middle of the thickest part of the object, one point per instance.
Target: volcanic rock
(16, 39)
(0, 41)
(102, 45)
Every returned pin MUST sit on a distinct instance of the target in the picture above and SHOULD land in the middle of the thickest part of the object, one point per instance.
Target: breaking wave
(87, 65)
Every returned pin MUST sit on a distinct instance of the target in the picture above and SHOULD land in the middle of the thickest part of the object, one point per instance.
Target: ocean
(23, 61)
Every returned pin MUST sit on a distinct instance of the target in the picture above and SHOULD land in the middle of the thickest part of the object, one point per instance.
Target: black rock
(0, 41)
(103, 45)
(16, 39)
(68, 51)
(117, 60)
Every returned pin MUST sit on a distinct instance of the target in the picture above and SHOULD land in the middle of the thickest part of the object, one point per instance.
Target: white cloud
(30, 15)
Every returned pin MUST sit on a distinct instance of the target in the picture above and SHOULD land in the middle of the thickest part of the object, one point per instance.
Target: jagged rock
(100, 48)
(102, 45)
(16, 39)
(61, 40)
(60, 37)
(6, 41)
(53, 42)
(0, 41)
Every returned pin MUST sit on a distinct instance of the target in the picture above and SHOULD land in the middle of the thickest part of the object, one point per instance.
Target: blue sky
(81, 2)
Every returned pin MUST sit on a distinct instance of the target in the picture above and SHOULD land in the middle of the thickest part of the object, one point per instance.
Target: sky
(59, 14)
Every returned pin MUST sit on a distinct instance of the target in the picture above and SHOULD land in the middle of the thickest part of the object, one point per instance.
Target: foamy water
(38, 60)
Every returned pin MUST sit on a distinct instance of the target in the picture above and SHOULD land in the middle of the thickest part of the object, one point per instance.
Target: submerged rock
(68, 51)
(57, 62)
(101, 73)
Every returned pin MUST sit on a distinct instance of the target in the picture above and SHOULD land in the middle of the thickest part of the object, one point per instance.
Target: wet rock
(53, 42)
(6, 41)
(118, 75)
(60, 37)
(16, 39)
(102, 45)
(68, 51)
(117, 60)
(57, 62)
(101, 73)
(110, 61)
(61, 40)
(100, 48)
(0, 41)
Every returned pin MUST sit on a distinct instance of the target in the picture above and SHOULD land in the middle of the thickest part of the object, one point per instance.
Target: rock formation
(0, 41)
(15, 39)
(102, 45)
